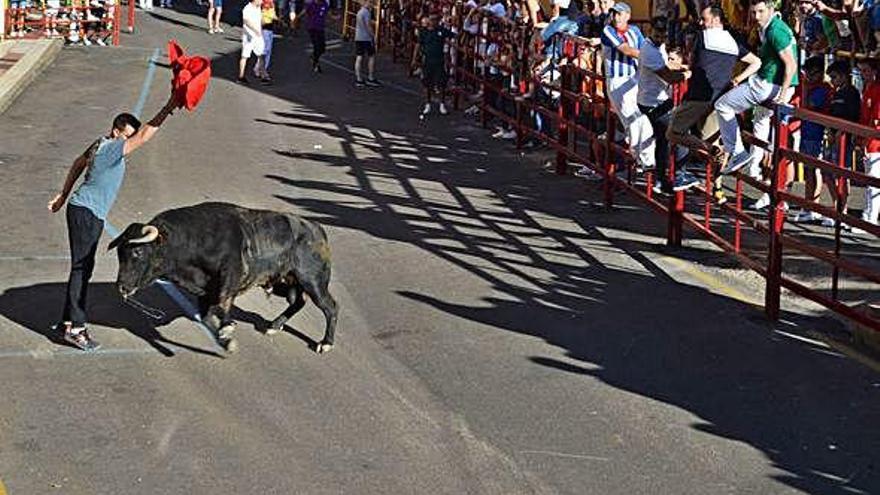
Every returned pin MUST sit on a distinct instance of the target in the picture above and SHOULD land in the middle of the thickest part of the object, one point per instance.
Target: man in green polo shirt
(773, 83)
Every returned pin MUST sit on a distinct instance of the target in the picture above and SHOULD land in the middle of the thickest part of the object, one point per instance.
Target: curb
(38, 55)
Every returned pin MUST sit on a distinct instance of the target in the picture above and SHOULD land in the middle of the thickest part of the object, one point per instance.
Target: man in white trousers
(620, 49)
(773, 83)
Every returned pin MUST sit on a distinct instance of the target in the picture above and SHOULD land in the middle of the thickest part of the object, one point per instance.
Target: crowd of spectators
(736, 59)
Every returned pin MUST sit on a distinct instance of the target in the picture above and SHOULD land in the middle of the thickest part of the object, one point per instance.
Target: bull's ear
(130, 232)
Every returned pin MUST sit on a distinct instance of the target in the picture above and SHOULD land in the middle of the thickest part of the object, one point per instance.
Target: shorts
(812, 148)
(364, 48)
(253, 46)
(218, 4)
(435, 75)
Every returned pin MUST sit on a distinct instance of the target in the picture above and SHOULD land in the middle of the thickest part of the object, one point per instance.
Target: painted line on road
(26, 257)
(48, 354)
(148, 80)
(711, 281)
(385, 84)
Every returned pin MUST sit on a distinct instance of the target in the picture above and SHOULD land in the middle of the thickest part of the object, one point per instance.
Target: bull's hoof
(229, 345)
(323, 347)
(226, 339)
(273, 328)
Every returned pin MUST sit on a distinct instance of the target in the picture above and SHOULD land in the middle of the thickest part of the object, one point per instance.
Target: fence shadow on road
(554, 273)
(38, 308)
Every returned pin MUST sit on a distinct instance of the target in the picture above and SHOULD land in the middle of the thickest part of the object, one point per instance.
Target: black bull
(217, 251)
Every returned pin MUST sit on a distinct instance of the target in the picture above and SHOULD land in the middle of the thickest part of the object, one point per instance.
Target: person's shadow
(38, 308)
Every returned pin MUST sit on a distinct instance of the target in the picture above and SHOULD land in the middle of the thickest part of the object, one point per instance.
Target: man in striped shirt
(620, 48)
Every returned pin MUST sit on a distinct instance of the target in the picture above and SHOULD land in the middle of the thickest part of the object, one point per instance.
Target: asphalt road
(497, 335)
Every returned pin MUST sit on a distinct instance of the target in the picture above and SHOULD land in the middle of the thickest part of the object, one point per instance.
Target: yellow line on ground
(712, 282)
(718, 285)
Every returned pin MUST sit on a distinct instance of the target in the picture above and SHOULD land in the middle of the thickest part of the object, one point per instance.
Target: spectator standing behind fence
(773, 83)
(267, 24)
(870, 116)
(656, 73)
(251, 39)
(215, 10)
(810, 26)
(431, 39)
(316, 19)
(845, 104)
(365, 46)
(816, 97)
(620, 46)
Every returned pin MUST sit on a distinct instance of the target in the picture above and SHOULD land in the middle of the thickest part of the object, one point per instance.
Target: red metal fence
(562, 87)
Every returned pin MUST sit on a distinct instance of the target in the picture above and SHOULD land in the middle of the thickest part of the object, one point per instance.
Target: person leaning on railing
(773, 83)
(621, 42)
(713, 57)
(659, 67)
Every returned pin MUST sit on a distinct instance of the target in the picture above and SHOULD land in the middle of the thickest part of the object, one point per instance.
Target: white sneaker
(219, 30)
(511, 134)
(427, 109)
(498, 133)
(100, 42)
(87, 42)
(858, 231)
(443, 110)
(762, 202)
(828, 222)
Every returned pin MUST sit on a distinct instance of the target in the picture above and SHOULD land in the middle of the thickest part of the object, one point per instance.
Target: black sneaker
(373, 83)
(243, 80)
(266, 81)
(80, 337)
(360, 84)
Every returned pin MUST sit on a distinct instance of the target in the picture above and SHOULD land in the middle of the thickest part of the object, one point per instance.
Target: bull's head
(139, 258)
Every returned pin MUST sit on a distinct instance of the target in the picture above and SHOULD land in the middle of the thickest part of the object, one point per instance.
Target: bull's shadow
(38, 308)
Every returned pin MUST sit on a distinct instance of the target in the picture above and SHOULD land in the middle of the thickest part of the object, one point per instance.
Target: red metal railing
(76, 18)
(573, 98)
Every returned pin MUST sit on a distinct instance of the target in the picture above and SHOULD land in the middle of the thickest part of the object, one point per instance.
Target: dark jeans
(84, 231)
(319, 43)
(659, 117)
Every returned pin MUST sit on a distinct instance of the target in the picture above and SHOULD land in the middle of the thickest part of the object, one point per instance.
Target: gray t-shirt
(362, 31)
(103, 178)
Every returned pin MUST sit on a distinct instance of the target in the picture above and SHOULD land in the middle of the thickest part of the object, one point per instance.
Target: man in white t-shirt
(251, 38)
(657, 71)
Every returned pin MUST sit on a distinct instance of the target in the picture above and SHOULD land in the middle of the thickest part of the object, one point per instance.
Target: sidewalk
(21, 61)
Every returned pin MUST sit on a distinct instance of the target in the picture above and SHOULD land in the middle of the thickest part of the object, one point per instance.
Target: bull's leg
(322, 298)
(296, 300)
(206, 311)
(226, 332)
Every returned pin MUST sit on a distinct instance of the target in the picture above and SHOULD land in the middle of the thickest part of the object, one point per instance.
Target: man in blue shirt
(104, 164)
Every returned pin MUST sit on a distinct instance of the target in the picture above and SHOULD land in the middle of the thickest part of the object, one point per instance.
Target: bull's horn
(150, 233)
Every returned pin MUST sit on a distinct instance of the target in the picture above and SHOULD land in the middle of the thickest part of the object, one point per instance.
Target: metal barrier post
(562, 122)
(842, 198)
(675, 222)
(772, 293)
(117, 18)
(131, 15)
(607, 164)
